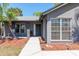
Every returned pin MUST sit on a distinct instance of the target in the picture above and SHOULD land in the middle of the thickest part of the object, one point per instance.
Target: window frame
(60, 30)
(20, 28)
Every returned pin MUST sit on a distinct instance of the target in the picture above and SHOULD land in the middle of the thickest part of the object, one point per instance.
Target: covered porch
(27, 28)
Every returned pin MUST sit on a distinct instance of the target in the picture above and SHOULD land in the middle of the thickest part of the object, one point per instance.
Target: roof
(36, 18)
(54, 8)
(28, 18)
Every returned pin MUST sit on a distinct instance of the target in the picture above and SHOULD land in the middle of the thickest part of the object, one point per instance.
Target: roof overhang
(54, 8)
(27, 18)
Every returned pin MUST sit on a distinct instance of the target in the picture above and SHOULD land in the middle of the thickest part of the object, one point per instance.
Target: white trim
(61, 40)
(48, 32)
(71, 30)
(60, 29)
(34, 26)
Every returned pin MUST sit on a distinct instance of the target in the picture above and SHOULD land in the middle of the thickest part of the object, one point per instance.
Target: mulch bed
(14, 42)
(12, 47)
(58, 46)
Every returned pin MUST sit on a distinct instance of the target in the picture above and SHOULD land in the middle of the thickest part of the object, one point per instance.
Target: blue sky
(29, 8)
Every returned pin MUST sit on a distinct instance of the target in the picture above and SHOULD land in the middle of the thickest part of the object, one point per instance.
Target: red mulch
(14, 42)
(58, 46)
(47, 47)
(74, 46)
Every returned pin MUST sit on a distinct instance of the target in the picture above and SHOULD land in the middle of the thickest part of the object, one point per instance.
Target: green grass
(9, 51)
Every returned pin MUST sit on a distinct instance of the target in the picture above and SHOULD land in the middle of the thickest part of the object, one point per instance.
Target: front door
(38, 29)
(20, 30)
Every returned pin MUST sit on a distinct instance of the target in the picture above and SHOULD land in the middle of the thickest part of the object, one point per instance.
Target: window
(66, 35)
(66, 29)
(56, 35)
(19, 28)
(60, 29)
(55, 27)
(22, 28)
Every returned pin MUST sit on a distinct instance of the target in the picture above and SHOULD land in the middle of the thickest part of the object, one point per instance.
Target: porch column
(34, 29)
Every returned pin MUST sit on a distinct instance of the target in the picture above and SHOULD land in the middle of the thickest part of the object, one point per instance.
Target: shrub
(75, 34)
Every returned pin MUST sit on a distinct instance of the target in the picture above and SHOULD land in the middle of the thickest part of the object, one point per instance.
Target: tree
(17, 11)
(37, 13)
(8, 15)
(75, 32)
(11, 14)
(56, 4)
(3, 8)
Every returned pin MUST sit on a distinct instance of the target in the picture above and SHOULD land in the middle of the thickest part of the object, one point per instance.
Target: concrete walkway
(57, 53)
(32, 47)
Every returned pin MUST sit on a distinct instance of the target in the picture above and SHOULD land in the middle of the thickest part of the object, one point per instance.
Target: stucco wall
(44, 28)
(67, 11)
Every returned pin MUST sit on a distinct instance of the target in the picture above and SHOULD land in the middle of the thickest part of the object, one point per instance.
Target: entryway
(27, 29)
(38, 29)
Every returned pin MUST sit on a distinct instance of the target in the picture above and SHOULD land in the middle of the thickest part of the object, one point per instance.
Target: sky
(29, 8)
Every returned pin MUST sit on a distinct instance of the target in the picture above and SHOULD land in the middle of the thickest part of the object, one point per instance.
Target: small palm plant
(75, 32)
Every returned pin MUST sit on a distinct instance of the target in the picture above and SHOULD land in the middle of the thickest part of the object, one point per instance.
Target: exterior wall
(48, 30)
(45, 28)
(27, 23)
(67, 11)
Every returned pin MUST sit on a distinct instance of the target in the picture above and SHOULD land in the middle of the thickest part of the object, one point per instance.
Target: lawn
(12, 47)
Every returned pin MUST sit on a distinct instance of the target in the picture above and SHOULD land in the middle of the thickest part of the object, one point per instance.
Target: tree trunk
(1, 29)
(12, 32)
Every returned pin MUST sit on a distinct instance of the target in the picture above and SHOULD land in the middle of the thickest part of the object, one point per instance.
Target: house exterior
(54, 25)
